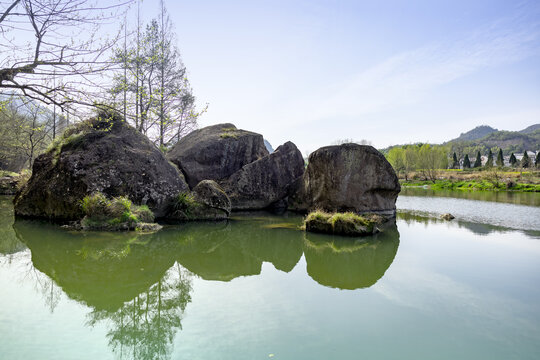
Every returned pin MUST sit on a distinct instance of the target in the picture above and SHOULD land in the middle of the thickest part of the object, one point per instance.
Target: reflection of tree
(130, 281)
(9, 244)
(144, 327)
(51, 293)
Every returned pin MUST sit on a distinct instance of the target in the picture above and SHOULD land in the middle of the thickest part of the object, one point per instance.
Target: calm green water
(255, 288)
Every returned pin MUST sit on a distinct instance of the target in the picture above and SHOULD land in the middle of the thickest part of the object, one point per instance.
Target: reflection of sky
(493, 213)
(448, 291)
(486, 284)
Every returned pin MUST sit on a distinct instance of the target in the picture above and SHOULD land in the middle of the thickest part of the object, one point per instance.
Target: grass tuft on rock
(184, 204)
(347, 224)
(116, 214)
(229, 133)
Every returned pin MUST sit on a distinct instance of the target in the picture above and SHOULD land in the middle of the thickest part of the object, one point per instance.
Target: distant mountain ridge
(485, 137)
(476, 133)
(530, 129)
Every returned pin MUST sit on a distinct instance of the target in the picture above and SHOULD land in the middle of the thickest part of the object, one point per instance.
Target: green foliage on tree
(478, 161)
(466, 162)
(500, 158)
(513, 160)
(525, 160)
(396, 158)
(537, 160)
(489, 162)
(424, 158)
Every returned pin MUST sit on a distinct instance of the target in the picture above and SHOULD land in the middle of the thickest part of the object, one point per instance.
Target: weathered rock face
(349, 177)
(99, 155)
(216, 152)
(263, 182)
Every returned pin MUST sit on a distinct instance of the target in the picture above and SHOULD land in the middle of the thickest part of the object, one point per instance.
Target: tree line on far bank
(426, 159)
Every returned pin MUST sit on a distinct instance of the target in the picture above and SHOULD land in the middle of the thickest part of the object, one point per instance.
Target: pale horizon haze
(390, 72)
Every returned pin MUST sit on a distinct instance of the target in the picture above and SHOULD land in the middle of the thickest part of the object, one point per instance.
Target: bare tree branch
(44, 42)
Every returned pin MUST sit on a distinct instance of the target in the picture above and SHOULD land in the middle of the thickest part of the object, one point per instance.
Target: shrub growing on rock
(347, 223)
(115, 214)
(184, 203)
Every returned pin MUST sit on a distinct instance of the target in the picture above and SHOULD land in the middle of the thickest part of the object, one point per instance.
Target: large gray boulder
(348, 177)
(104, 155)
(264, 182)
(216, 152)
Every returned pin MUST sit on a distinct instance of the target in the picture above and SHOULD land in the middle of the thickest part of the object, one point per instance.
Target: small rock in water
(447, 216)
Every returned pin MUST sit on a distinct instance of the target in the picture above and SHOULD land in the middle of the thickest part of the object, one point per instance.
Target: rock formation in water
(239, 161)
(216, 152)
(104, 155)
(347, 177)
(264, 182)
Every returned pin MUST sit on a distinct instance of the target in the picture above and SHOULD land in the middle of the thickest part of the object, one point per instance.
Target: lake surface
(257, 288)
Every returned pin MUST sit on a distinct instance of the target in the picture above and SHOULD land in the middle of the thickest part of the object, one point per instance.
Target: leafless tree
(54, 51)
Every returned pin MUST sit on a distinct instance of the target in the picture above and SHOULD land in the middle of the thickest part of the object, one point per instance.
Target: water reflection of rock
(140, 284)
(224, 252)
(129, 280)
(103, 270)
(346, 264)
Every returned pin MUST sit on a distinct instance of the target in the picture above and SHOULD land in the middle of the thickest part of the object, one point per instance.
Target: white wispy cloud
(407, 77)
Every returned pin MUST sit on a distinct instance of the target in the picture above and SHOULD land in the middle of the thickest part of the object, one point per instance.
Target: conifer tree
(500, 159)
(466, 162)
(478, 161)
(525, 161)
(537, 160)
(455, 162)
(513, 160)
(489, 162)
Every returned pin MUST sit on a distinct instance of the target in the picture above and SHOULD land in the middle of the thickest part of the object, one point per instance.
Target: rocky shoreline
(207, 175)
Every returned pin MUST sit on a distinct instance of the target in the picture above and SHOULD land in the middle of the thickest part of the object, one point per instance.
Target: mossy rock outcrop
(105, 155)
(216, 152)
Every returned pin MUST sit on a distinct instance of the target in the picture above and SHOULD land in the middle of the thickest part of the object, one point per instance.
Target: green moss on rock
(347, 224)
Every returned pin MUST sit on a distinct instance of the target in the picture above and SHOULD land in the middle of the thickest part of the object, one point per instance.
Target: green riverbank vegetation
(439, 168)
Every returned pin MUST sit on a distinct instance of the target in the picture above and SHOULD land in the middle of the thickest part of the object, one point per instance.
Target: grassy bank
(491, 180)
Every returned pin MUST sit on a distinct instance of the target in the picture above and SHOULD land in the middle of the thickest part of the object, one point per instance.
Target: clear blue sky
(314, 71)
